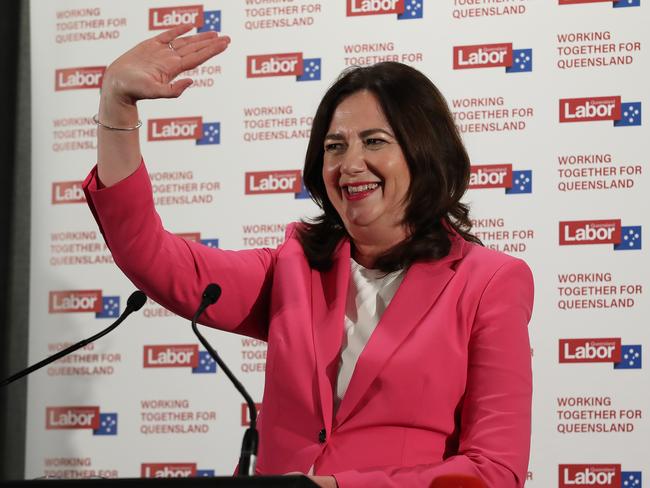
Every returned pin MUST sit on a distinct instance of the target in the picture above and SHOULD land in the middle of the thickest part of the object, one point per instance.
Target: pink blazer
(443, 385)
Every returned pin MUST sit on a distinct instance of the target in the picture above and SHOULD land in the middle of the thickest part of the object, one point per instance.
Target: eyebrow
(364, 133)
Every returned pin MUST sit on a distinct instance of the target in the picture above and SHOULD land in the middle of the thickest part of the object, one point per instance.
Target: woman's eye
(373, 141)
(333, 146)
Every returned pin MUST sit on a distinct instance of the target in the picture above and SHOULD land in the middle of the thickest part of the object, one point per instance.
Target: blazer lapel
(329, 293)
(422, 285)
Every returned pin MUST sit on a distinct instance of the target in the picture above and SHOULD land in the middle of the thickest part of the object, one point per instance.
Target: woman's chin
(359, 222)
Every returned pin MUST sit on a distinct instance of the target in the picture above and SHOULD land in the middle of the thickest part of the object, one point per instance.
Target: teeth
(357, 189)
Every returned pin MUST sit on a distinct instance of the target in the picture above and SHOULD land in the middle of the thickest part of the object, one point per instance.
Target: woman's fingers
(205, 49)
(169, 35)
(181, 42)
(194, 50)
(149, 69)
(193, 59)
(175, 88)
(197, 45)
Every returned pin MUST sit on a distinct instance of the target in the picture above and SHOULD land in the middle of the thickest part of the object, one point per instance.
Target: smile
(359, 191)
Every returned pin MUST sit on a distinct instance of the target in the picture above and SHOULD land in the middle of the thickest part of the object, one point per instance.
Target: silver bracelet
(136, 126)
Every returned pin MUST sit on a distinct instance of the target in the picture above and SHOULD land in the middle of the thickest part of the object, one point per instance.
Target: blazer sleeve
(173, 271)
(494, 437)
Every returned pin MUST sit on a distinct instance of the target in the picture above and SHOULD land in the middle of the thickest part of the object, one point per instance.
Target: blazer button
(322, 436)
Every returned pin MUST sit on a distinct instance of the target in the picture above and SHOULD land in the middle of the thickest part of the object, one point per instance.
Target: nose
(353, 161)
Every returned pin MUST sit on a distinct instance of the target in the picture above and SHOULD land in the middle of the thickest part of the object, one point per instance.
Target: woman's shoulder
(291, 244)
(481, 260)
(492, 276)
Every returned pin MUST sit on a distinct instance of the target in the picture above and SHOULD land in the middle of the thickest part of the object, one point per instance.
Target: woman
(358, 393)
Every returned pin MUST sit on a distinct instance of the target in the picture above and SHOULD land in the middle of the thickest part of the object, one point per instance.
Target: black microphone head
(211, 293)
(136, 300)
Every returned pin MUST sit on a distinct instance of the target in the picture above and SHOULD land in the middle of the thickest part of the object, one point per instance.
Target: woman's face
(364, 169)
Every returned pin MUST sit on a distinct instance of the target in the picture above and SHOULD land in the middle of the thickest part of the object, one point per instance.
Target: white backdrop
(549, 98)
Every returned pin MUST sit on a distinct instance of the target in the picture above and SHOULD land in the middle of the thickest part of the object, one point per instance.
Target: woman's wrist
(115, 113)
(115, 109)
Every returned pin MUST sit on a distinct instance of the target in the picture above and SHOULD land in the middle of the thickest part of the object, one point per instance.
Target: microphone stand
(134, 303)
(248, 455)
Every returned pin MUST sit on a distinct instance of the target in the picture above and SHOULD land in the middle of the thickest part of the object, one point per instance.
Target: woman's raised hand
(150, 68)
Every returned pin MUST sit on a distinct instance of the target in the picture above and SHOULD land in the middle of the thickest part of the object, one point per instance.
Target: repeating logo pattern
(173, 470)
(210, 134)
(630, 238)
(598, 109)
(262, 182)
(501, 176)
(77, 417)
(609, 231)
(206, 364)
(107, 424)
(614, 3)
(493, 56)
(213, 243)
(184, 128)
(413, 9)
(303, 194)
(168, 17)
(196, 237)
(598, 476)
(601, 350)
(78, 78)
(403, 9)
(522, 182)
(79, 301)
(311, 70)
(110, 308)
(283, 64)
(67, 192)
(630, 115)
(604, 235)
(211, 21)
(630, 357)
(179, 356)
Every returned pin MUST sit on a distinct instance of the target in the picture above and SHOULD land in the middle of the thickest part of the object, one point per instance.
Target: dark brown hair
(438, 164)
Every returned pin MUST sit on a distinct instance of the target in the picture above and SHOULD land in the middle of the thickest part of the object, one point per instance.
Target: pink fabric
(443, 386)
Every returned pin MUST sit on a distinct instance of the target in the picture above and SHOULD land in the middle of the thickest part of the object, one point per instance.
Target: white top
(369, 293)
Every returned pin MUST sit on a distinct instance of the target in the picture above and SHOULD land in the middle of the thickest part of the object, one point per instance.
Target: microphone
(134, 303)
(248, 454)
(457, 481)
(211, 294)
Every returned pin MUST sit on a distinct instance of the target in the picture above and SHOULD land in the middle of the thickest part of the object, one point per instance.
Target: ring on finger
(171, 46)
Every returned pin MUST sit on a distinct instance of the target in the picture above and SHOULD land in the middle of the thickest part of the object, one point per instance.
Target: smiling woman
(388, 168)
(385, 297)
(366, 176)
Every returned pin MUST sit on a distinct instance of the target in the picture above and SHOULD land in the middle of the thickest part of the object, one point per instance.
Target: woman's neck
(367, 251)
